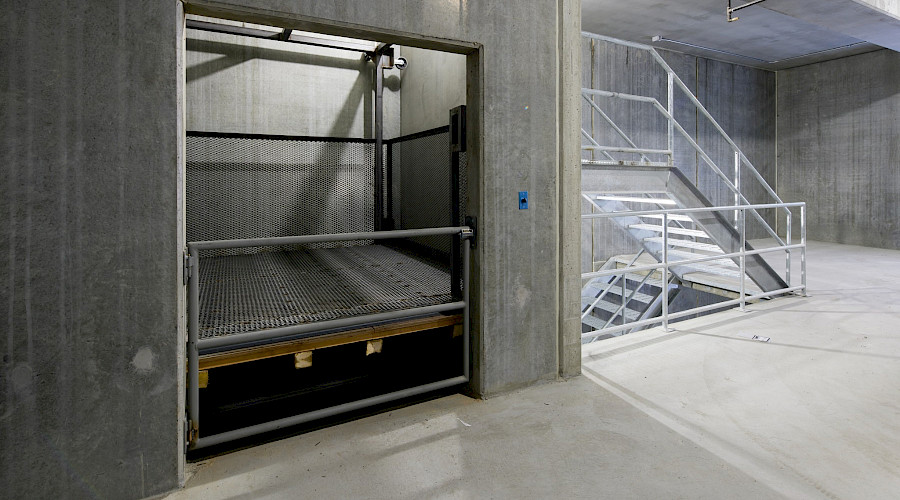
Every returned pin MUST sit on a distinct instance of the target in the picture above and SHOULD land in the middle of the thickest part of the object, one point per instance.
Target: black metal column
(457, 146)
(389, 220)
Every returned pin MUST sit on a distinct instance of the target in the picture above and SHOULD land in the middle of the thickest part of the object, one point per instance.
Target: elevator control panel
(523, 200)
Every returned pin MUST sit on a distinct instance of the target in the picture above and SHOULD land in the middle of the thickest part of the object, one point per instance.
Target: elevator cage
(285, 247)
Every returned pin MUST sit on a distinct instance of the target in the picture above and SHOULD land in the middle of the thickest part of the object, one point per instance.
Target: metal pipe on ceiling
(731, 10)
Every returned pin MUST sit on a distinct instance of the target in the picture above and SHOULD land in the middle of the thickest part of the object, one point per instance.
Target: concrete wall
(432, 84)
(248, 85)
(92, 367)
(890, 6)
(838, 147)
(90, 370)
(741, 99)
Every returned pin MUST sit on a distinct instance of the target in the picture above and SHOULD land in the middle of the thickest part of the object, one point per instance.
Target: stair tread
(616, 292)
(706, 247)
(682, 218)
(682, 255)
(650, 281)
(718, 271)
(721, 282)
(672, 230)
(610, 307)
(593, 321)
(635, 199)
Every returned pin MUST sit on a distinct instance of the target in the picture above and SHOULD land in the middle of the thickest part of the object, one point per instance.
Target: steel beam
(379, 139)
(285, 35)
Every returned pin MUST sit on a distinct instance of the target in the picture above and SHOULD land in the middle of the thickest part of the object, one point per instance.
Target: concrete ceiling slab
(852, 18)
(763, 37)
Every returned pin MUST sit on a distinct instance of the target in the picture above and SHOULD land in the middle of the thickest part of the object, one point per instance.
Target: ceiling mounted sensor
(731, 10)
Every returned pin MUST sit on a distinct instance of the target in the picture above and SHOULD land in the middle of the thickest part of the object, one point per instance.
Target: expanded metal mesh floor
(245, 293)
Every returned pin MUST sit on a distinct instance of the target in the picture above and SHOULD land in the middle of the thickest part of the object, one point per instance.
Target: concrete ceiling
(773, 35)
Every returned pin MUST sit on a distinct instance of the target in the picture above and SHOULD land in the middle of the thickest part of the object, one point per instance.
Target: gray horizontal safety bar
(614, 163)
(324, 238)
(696, 310)
(279, 36)
(628, 150)
(674, 263)
(635, 213)
(224, 437)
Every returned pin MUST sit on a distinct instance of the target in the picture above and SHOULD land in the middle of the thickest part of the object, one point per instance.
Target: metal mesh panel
(244, 293)
(421, 185)
(249, 187)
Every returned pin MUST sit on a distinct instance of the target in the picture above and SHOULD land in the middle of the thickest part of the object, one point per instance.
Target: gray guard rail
(194, 344)
(665, 264)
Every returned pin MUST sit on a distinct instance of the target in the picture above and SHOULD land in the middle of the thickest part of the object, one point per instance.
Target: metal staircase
(683, 239)
(623, 299)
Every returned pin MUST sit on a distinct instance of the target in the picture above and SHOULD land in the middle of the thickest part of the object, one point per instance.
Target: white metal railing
(668, 112)
(665, 263)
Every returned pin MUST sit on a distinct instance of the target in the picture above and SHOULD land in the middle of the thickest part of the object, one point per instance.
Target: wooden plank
(362, 334)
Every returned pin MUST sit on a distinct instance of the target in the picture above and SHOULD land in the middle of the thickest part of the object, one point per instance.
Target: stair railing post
(671, 117)
(624, 287)
(737, 183)
(664, 294)
(787, 252)
(743, 257)
(803, 248)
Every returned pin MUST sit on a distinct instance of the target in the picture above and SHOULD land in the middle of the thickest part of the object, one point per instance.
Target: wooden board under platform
(361, 334)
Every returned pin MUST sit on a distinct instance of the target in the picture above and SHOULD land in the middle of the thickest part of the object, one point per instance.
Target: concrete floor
(700, 412)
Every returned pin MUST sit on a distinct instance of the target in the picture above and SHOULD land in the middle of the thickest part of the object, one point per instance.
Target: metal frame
(285, 35)
(731, 10)
(666, 264)
(275, 137)
(195, 344)
(390, 220)
(674, 81)
(383, 55)
(457, 145)
(741, 204)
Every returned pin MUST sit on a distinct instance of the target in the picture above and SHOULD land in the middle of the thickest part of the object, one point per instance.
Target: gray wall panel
(685, 66)
(247, 85)
(742, 100)
(90, 274)
(838, 147)
(432, 84)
